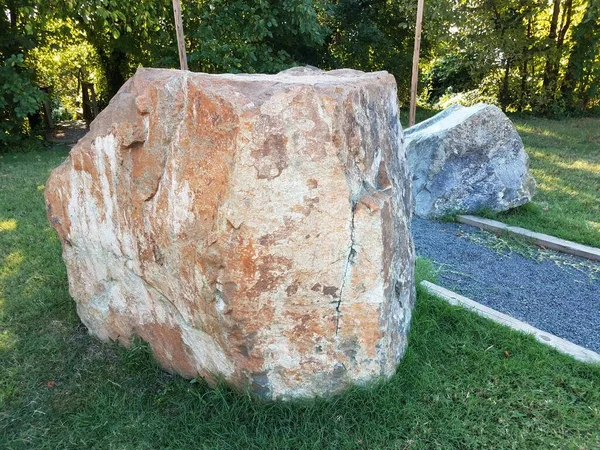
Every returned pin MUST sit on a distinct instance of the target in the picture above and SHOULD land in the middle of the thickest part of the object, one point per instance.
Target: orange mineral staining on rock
(253, 228)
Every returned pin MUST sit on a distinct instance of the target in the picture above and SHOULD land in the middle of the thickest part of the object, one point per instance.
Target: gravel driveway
(552, 291)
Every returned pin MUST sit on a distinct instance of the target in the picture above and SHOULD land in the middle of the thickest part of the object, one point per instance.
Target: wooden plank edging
(560, 344)
(544, 240)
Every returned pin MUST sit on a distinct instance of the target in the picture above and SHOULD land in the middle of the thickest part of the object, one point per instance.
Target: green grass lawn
(456, 388)
(565, 162)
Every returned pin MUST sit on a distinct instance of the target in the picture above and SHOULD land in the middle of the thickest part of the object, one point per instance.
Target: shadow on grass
(455, 388)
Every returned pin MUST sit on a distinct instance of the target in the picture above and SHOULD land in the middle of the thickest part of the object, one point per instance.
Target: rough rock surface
(254, 228)
(467, 159)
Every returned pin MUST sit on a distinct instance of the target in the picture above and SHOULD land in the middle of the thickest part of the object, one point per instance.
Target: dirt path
(68, 132)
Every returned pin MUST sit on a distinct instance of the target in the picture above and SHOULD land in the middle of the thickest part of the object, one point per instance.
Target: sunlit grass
(8, 225)
(594, 225)
(586, 166)
(6, 338)
(565, 161)
(10, 264)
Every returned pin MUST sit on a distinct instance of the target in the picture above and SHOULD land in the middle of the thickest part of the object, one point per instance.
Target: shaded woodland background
(537, 56)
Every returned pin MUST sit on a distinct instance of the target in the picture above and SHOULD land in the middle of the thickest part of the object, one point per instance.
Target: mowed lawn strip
(565, 161)
(464, 383)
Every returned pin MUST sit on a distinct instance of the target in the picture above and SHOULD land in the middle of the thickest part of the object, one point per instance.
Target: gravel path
(552, 291)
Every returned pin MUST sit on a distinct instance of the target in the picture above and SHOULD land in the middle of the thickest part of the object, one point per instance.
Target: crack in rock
(349, 261)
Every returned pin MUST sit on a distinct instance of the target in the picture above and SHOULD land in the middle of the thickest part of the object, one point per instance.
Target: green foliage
(61, 60)
(374, 36)
(450, 74)
(565, 161)
(466, 98)
(19, 97)
(531, 52)
(125, 35)
(581, 87)
(258, 36)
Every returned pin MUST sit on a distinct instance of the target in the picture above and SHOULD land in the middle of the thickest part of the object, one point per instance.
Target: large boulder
(252, 228)
(464, 160)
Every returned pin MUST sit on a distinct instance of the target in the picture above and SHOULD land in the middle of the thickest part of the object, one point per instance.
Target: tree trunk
(556, 38)
(113, 63)
(569, 82)
(524, 68)
(523, 86)
(565, 23)
(554, 21)
(551, 46)
(12, 10)
(586, 35)
(504, 95)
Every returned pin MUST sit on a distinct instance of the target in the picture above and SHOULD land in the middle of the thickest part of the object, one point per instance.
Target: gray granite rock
(466, 159)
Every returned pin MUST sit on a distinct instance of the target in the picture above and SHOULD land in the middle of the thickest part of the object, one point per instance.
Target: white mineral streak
(250, 227)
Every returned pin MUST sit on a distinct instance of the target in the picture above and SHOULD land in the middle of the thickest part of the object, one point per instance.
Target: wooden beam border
(560, 344)
(540, 239)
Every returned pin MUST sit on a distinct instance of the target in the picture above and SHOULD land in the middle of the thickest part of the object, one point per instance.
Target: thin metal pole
(415, 68)
(180, 38)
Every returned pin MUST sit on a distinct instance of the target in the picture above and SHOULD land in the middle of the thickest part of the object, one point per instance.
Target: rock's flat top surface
(253, 227)
(299, 75)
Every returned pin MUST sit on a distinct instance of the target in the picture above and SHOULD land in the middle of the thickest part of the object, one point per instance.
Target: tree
(521, 54)
(495, 38)
(379, 35)
(124, 34)
(221, 35)
(554, 50)
(61, 61)
(20, 96)
(582, 77)
(253, 36)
